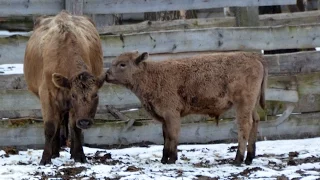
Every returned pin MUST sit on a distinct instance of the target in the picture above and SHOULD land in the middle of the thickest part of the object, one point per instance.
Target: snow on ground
(10, 33)
(6, 69)
(294, 159)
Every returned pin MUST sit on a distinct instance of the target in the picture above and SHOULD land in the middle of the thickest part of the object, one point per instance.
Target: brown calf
(208, 84)
(63, 67)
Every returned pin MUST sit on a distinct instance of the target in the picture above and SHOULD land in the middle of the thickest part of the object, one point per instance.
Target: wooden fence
(42, 7)
(293, 82)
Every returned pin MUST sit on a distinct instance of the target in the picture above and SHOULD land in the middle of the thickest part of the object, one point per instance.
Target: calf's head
(82, 94)
(124, 67)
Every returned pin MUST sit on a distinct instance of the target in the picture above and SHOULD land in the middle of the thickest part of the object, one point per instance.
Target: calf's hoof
(171, 161)
(45, 161)
(55, 155)
(164, 160)
(248, 161)
(249, 158)
(236, 163)
(238, 160)
(80, 158)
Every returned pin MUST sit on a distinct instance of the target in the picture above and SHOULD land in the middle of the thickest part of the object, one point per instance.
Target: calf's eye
(122, 65)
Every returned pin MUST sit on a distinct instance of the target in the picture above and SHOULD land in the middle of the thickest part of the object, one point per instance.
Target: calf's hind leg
(252, 138)
(165, 152)
(244, 118)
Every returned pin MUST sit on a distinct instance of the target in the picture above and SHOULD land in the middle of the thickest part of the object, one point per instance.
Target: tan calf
(63, 67)
(208, 84)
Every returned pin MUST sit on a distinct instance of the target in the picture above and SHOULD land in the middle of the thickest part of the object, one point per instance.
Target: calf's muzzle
(84, 123)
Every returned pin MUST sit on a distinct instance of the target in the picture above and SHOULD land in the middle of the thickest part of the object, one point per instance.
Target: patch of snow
(8, 33)
(133, 109)
(6, 69)
(212, 160)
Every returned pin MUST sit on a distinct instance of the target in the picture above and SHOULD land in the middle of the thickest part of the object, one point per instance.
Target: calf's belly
(211, 108)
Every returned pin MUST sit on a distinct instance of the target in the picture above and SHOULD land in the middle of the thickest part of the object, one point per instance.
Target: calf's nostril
(84, 122)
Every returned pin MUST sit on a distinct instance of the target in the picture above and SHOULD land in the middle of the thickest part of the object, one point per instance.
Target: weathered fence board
(218, 39)
(36, 7)
(292, 63)
(288, 63)
(44, 7)
(12, 49)
(297, 18)
(307, 17)
(129, 6)
(22, 99)
(281, 88)
(26, 133)
(302, 88)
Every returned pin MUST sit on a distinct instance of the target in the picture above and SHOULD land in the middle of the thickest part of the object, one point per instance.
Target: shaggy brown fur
(63, 67)
(208, 84)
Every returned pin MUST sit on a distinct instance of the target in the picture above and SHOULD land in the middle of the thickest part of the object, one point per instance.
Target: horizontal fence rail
(45, 7)
(294, 77)
(280, 88)
(129, 6)
(26, 133)
(307, 17)
(30, 7)
(208, 39)
(297, 18)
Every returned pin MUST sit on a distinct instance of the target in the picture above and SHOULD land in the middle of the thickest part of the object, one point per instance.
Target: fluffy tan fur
(64, 52)
(207, 84)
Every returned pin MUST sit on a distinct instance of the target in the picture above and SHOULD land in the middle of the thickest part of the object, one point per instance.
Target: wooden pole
(247, 16)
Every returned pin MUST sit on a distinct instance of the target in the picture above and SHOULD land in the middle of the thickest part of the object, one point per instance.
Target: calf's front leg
(171, 134)
(51, 119)
(76, 149)
(50, 131)
(56, 143)
(165, 152)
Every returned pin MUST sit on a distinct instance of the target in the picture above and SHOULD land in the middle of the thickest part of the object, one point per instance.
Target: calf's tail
(264, 83)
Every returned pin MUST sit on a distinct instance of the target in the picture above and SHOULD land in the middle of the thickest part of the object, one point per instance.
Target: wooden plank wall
(32, 7)
(207, 39)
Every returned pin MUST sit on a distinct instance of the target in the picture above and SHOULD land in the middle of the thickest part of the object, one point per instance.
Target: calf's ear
(142, 57)
(60, 81)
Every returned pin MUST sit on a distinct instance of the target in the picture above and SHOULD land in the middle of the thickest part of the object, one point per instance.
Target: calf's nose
(84, 123)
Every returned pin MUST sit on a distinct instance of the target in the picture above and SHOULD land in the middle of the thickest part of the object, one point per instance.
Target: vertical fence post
(74, 7)
(103, 20)
(247, 16)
